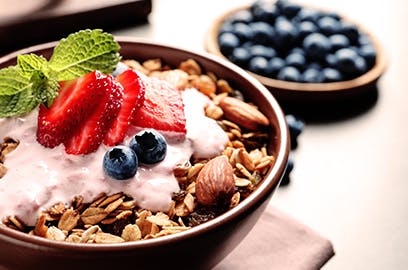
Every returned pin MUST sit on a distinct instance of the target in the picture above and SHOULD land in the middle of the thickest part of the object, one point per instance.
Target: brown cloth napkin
(279, 241)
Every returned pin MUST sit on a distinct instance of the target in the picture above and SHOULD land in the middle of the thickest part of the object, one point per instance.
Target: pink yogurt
(39, 177)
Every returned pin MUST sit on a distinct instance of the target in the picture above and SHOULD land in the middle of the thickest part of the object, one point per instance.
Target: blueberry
(227, 42)
(120, 162)
(258, 64)
(296, 59)
(242, 16)
(226, 26)
(274, 66)
(308, 14)
(289, 168)
(306, 28)
(331, 60)
(263, 32)
(351, 31)
(339, 41)
(369, 53)
(331, 75)
(261, 50)
(347, 60)
(361, 66)
(297, 50)
(240, 56)
(312, 75)
(333, 15)
(315, 65)
(120, 67)
(289, 73)
(363, 39)
(242, 31)
(329, 25)
(149, 145)
(285, 32)
(296, 126)
(316, 45)
(264, 11)
(289, 9)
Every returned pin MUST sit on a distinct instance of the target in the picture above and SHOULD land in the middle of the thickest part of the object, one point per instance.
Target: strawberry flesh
(162, 109)
(133, 96)
(91, 132)
(76, 98)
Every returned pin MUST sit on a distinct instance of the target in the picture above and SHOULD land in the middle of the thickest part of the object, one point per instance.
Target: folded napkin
(278, 241)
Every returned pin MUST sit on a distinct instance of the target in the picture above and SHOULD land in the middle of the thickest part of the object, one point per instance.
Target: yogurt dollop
(39, 177)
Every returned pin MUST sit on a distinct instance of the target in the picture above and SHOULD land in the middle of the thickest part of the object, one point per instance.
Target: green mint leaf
(83, 52)
(46, 88)
(12, 81)
(20, 103)
(28, 63)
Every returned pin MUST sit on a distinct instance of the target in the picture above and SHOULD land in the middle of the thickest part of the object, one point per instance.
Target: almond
(215, 182)
(243, 113)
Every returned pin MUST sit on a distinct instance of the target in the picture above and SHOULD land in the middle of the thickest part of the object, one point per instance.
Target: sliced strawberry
(162, 109)
(90, 133)
(75, 100)
(133, 96)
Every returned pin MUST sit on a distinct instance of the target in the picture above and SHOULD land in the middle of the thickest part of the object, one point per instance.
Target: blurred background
(349, 180)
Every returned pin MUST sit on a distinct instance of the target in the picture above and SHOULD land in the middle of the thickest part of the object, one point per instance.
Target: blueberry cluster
(285, 41)
(121, 162)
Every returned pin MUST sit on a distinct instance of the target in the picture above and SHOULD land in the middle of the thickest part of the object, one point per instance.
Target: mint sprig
(83, 52)
(34, 80)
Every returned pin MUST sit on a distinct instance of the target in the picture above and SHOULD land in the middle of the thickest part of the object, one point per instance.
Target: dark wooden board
(28, 22)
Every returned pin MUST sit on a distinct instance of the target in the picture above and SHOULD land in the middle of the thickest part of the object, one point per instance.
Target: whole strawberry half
(75, 100)
(162, 109)
(90, 133)
(133, 96)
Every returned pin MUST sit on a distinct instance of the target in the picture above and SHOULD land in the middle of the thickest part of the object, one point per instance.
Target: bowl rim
(263, 190)
(371, 76)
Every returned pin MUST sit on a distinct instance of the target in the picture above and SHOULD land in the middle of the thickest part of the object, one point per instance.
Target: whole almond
(243, 113)
(215, 183)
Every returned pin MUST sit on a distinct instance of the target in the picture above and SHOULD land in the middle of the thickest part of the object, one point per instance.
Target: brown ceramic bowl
(201, 247)
(286, 91)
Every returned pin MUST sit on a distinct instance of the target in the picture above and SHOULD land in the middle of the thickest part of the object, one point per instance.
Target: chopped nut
(110, 199)
(113, 205)
(189, 202)
(235, 199)
(152, 64)
(93, 215)
(101, 238)
(89, 233)
(213, 111)
(224, 87)
(204, 84)
(69, 220)
(131, 232)
(40, 228)
(55, 234)
(242, 182)
(191, 67)
(136, 66)
(177, 78)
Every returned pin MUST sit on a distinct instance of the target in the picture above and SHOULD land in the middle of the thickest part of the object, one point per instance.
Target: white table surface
(351, 175)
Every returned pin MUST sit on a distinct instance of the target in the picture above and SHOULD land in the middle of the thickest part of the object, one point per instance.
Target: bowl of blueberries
(298, 52)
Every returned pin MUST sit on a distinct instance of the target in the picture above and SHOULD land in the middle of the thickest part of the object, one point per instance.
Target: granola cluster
(112, 218)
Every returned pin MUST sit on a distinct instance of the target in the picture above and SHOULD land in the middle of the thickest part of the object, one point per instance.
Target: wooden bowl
(286, 91)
